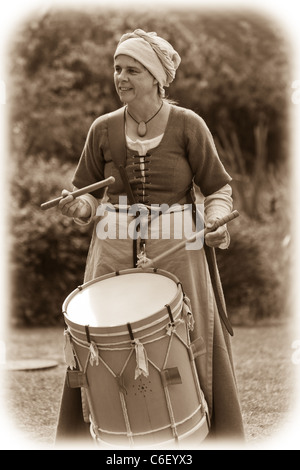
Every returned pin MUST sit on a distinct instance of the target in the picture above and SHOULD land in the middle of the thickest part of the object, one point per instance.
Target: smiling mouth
(121, 88)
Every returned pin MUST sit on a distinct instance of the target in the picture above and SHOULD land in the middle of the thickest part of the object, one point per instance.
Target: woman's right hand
(74, 207)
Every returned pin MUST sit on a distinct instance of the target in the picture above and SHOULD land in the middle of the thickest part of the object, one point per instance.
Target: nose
(123, 75)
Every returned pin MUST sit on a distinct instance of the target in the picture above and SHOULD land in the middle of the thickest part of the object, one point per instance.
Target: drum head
(117, 300)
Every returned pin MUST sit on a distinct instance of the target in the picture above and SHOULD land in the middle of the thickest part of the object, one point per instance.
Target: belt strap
(116, 136)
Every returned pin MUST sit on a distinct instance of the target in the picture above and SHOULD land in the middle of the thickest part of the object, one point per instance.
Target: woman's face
(132, 80)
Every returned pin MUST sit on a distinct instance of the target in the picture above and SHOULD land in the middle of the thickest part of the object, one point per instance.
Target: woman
(170, 156)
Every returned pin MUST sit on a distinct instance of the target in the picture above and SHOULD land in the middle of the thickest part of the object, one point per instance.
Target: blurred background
(235, 73)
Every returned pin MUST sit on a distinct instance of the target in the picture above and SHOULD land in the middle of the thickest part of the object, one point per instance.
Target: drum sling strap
(117, 143)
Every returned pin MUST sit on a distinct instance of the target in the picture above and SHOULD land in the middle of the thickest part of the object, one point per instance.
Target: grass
(266, 378)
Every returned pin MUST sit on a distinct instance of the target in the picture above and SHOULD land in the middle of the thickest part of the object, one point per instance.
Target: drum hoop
(203, 423)
(74, 326)
(116, 274)
(178, 423)
(163, 319)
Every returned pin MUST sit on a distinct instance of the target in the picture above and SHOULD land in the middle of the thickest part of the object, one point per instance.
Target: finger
(66, 205)
(65, 192)
(216, 238)
(216, 233)
(67, 198)
(209, 224)
(73, 209)
(214, 243)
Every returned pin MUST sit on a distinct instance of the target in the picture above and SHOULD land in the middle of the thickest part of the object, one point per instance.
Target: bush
(48, 251)
(255, 270)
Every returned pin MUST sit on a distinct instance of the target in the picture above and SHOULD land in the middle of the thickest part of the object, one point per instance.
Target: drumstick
(218, 223)
(79, 192)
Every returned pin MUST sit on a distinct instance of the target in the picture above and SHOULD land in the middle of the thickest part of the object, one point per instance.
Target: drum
(129, 337)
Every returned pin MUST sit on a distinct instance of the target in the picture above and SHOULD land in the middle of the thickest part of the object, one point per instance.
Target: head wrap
(153, 52)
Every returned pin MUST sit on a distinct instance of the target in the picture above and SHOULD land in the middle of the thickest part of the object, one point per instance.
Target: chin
(123, 99)
(126, 97)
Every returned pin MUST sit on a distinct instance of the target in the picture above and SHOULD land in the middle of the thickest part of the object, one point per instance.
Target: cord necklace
(142, 125)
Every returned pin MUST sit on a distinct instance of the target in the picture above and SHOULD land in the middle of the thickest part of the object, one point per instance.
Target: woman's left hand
(218, 238)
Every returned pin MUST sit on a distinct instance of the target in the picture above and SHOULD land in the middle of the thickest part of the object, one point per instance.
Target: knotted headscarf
(153, 52)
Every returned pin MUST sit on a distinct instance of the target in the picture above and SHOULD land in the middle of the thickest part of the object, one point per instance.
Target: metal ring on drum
(129, 350)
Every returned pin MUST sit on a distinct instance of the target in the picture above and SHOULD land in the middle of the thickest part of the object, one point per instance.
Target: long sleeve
(217, 205)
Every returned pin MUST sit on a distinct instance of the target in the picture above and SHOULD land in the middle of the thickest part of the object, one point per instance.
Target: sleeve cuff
(93, 203)
(218, 204)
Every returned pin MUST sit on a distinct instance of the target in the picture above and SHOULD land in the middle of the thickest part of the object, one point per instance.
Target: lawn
(266, 375)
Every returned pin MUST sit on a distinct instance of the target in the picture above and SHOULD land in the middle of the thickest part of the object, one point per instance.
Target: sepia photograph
(149, 228)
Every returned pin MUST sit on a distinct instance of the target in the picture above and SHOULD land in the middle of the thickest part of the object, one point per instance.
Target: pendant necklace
(142, 125)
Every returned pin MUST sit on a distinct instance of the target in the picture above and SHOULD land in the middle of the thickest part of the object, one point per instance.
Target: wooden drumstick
(218, 223)
(79, 192)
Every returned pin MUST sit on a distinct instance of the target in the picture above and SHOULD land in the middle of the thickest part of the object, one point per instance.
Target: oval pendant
(142, 129)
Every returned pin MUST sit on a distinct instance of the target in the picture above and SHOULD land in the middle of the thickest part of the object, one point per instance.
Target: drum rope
(84, 344)
(168, 351)
(181, 340)
(123, 368)
(171, 413)
(200, 394)
(126, 417)
(131, 349)
(110, 346)
(126, 362)
(165, 385)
